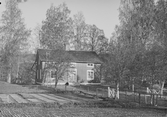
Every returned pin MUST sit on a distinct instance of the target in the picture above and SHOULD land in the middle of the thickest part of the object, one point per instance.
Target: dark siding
(82, 71)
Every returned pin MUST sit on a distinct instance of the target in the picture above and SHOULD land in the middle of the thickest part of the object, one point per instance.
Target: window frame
(92, 71)
(90, 64)
(52, 74)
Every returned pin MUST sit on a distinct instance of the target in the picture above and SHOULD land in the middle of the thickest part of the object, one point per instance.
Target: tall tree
(134, 31)
(14, 34)
(161, 36)
(79, 30)
(95, 39)
(35, 37)
(56, 28)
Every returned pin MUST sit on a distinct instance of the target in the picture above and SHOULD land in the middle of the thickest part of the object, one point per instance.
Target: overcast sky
(102, 13)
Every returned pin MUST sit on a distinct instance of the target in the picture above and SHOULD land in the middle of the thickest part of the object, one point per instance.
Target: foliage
(14, 36)
(137, 50)
(80, 28)
(96, 40)
(26, 75)
(88, 37)
(56, 28)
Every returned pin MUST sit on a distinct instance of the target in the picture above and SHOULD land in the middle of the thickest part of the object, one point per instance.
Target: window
(90, 65)
(90, 74)
(53, 73)
(47, 56)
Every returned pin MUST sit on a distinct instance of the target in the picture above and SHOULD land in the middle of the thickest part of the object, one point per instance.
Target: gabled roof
(77, 56)
(85, 56)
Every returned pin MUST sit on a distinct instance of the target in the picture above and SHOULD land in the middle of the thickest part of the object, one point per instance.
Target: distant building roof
(77, 56)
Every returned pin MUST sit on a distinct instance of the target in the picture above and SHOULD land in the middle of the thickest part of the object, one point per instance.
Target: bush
(26, 75)
(94, 81)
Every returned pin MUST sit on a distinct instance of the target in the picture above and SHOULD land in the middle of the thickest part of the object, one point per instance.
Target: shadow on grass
(40, 88)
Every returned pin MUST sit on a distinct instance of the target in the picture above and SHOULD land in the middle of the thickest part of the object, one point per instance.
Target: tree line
(59, 30)
(138, 48)
(136, 51)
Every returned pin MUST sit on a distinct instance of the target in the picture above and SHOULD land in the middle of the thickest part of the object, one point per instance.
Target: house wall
(82, 71)
(47, 75)
(38, 68)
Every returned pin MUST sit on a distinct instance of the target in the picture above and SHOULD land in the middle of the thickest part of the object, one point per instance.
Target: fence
(100, 92)
(150, 98)
(143, 98)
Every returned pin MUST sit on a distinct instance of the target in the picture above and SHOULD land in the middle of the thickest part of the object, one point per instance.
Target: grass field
(112, 109)
(43, 111)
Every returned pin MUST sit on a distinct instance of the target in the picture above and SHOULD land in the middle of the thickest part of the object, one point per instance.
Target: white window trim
(72, 63)
(88, 73)
(50, 75)
(89, 65)
(75, 72)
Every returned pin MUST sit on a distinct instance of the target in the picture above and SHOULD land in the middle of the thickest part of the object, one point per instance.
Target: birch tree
(14, 38)
(56, 28)
(80, 28)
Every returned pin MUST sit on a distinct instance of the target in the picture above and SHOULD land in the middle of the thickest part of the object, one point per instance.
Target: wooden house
(83, 65)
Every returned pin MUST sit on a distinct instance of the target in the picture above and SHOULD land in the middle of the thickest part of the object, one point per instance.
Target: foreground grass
(79, 112)
(74, 110)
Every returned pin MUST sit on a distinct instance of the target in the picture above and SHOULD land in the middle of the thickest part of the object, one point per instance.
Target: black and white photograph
(83, 58)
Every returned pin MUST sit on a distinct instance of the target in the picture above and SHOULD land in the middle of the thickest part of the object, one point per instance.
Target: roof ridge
(78, 56)
(78, 51)
(66, 50)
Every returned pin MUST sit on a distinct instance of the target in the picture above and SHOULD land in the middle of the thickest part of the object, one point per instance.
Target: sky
(102, 13)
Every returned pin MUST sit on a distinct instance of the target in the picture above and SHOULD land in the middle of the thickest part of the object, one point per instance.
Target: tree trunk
(56, 81)
(18, 66)
(117, 90)
(9, 78)
(162, 87)
(133, 86)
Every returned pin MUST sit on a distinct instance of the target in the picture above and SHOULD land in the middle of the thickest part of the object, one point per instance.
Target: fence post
(139, 98)
(145, 98)
(153, 100)
(134, 96)
(157, 99)
(125, 94)
(96, 92)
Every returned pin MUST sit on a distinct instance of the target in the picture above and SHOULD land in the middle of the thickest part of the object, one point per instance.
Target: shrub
(26, 74)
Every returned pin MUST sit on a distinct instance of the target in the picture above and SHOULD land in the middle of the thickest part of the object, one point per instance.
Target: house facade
(82, 69)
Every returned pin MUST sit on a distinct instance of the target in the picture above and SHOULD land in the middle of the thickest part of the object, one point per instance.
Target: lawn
(100, 109)
(124, 94)
(7, 88)
(43, 111)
